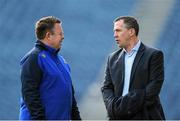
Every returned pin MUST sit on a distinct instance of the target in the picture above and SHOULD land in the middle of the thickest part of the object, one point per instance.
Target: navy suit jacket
(147, 76)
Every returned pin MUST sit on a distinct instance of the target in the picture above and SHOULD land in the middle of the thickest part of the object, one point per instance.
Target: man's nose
(115, 34)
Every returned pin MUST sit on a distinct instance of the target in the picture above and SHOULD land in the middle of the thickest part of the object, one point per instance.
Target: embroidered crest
(43, 55)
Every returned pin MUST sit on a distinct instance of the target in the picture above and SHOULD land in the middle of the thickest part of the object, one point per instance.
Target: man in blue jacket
(47, 91)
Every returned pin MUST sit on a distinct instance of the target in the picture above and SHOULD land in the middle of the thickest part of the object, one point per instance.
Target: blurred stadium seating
(88, 40)
(170, 43)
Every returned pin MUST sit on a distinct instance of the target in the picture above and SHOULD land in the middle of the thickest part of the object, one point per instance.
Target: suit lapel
(136, 62)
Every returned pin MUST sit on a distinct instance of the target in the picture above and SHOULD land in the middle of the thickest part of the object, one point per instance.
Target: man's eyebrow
(116, 29)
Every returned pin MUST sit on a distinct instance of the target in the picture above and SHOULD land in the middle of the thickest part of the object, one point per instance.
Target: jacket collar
(46, 47)
(136, 61)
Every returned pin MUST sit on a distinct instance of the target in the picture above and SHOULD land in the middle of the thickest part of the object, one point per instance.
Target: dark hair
(130, 22)
(44, 25)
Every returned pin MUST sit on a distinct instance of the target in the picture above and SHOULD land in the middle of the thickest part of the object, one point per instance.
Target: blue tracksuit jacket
(47, 91)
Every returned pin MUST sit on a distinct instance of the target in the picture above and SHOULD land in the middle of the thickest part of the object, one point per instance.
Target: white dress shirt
(129, 60)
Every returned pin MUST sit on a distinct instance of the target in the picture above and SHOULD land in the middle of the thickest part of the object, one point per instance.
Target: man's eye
(117, 30)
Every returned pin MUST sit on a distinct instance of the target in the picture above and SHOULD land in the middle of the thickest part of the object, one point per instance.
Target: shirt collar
(135, 48)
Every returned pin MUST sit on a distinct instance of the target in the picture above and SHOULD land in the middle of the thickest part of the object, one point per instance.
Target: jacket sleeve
(156, 78)
(108, 91)
(130, 104)
(75, 114)
(31, 77)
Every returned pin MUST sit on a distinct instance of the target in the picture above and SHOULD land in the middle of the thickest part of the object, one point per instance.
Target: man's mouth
(117, 41)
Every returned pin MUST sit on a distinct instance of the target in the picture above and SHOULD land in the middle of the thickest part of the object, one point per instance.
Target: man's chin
(120, 46)
(58, 47)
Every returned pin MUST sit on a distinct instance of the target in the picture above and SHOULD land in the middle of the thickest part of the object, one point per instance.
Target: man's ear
(48, 35)
(131, 31)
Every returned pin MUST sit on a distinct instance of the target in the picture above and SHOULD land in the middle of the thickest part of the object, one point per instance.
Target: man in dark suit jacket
(134, 76)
